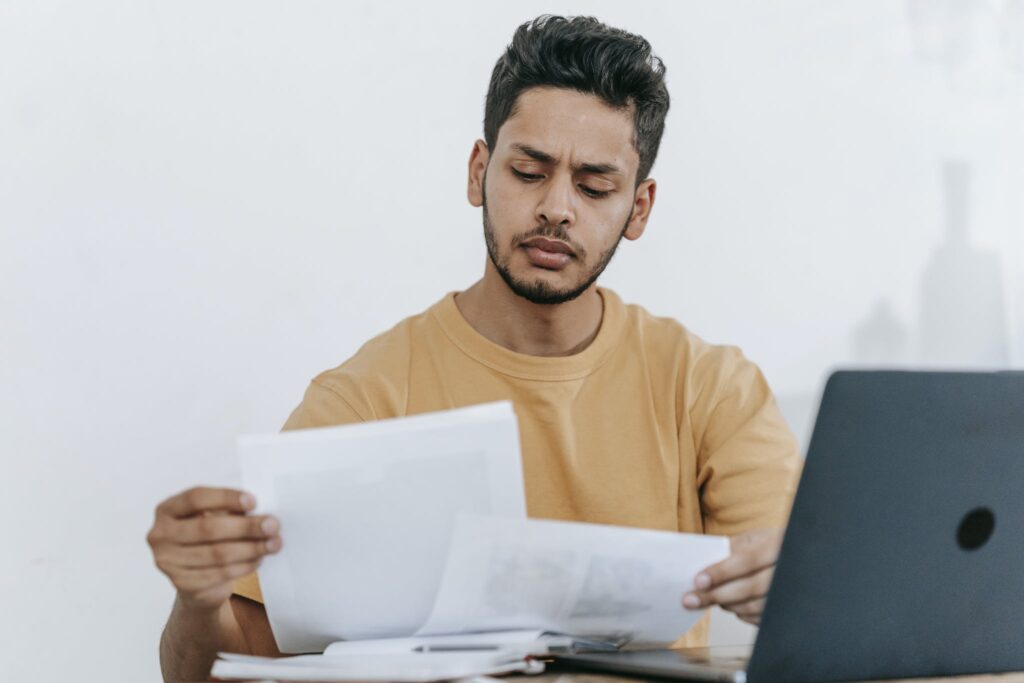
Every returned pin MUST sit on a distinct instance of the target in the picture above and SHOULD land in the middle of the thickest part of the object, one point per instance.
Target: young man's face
(558, 192)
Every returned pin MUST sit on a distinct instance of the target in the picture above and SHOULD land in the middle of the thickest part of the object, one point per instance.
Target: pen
(454, 648)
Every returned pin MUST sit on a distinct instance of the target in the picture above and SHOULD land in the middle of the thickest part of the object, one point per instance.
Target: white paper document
(366, 516)
(566, 577)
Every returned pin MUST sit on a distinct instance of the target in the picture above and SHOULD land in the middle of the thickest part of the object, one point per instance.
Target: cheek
(607, 221)
(510, 210)
(502, 190)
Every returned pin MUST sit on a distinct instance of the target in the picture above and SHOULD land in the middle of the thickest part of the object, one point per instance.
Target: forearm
(192, 638)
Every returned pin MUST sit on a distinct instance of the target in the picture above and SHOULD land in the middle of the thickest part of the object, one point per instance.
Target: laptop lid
(904, 553)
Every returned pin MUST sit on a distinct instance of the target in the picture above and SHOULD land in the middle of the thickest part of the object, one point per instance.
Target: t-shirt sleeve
(748, 461)
(322, 406)
(325, 404)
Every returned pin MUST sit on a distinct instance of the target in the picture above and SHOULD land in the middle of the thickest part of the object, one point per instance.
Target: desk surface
(561, 677)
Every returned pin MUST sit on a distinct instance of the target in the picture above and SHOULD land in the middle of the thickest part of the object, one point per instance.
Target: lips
(552, 246)
(548, 254)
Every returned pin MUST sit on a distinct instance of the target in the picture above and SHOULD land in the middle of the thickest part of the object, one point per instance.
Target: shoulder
(704, 373)
(374, 381)
(667, 338)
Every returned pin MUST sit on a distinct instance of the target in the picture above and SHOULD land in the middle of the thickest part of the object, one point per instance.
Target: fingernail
(702, 582)
(691, 601)
(274, 544)
(269, 525)
(247, 501)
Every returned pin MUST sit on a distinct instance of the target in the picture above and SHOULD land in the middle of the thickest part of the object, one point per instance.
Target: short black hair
(582, 54)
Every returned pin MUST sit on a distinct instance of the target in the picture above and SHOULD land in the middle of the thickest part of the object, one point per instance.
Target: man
(624, 418)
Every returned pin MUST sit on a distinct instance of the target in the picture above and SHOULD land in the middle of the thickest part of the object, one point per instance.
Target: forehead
(570, 124)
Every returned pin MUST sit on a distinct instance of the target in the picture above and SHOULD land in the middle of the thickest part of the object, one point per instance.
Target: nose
(556, 204)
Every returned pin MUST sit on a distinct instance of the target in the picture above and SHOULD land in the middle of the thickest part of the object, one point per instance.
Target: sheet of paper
(367, 512)
(580, 579)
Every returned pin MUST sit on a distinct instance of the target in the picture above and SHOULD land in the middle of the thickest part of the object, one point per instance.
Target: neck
(503, 317)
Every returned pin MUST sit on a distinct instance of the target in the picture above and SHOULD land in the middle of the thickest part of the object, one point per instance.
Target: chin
(545, 290)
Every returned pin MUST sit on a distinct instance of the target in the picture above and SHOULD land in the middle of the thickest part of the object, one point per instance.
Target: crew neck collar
(526, 366)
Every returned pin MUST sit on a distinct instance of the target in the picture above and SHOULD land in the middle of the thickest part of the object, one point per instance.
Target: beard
(538, 291)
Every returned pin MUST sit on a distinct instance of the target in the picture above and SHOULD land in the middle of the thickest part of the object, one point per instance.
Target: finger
(220, 554)
(735, 591)
(742, 589)
(215, 529)
(197, 580)
(748, 609)
(744, 561)
(201, 499)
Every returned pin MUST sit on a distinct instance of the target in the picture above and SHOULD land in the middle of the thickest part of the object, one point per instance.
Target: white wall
(204, 204)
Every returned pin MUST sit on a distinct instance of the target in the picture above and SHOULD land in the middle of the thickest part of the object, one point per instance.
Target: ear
(643, 202)
(478, 159)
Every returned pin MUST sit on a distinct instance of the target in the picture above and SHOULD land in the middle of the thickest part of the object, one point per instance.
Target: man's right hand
(203, 539)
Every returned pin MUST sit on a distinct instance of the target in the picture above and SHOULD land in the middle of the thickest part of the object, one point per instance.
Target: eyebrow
(546, 158)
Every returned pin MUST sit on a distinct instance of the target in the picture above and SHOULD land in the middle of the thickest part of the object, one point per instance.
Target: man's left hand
(739, 583)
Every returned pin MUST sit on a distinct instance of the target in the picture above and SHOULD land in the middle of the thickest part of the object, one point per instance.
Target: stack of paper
(408, 668)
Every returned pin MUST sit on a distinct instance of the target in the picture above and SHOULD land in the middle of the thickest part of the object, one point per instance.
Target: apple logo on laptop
(975, 528)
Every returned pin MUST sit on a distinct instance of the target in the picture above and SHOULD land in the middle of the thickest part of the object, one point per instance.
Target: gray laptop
(904, 554)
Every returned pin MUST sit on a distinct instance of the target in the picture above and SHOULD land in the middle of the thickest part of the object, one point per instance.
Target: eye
(532, 177)
(529, 177)
(596, 194)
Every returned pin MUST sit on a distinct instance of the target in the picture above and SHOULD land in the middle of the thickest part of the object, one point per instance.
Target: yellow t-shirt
(649, 426)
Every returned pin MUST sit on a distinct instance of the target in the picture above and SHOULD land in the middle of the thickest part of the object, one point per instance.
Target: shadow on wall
(962, 318)
(962, 314)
